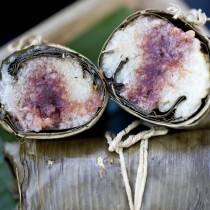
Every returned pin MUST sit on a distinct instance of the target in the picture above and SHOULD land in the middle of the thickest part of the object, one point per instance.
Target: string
(193, 16)
(24, 42)
(117, 144)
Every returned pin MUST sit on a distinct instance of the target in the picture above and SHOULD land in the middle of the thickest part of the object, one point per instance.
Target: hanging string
(117, 144)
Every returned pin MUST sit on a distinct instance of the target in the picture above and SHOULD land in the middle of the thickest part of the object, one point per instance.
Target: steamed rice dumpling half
(157, 68)
(50, 91)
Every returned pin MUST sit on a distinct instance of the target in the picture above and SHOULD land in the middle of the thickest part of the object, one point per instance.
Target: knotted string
(193, 16)
(24, 42)
(117, 144)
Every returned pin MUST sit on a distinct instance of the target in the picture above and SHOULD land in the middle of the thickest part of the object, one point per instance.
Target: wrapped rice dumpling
(49, 91)
(157, 68)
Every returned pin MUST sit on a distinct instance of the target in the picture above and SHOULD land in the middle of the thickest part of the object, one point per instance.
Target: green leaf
(91, 41)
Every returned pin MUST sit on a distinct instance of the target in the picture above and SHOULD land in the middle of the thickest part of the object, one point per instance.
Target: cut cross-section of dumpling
(50, 91)
(157, 68)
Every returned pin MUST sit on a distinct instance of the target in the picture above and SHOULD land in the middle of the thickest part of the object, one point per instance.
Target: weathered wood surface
(80, 173)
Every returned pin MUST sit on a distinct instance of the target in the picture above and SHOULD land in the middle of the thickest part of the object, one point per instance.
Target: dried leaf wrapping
(82, 174)
(157, 59)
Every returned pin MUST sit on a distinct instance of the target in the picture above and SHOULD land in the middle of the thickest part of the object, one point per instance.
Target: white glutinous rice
(159, 63)
(50, 93)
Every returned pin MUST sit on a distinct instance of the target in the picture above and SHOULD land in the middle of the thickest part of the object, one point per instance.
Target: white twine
(116, 144)
(24, 42)
(194, 16)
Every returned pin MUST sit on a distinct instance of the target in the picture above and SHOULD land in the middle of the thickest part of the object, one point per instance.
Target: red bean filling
(165, 47)
(47, 101)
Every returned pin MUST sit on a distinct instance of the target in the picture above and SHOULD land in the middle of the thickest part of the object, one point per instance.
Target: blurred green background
(89, 44)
